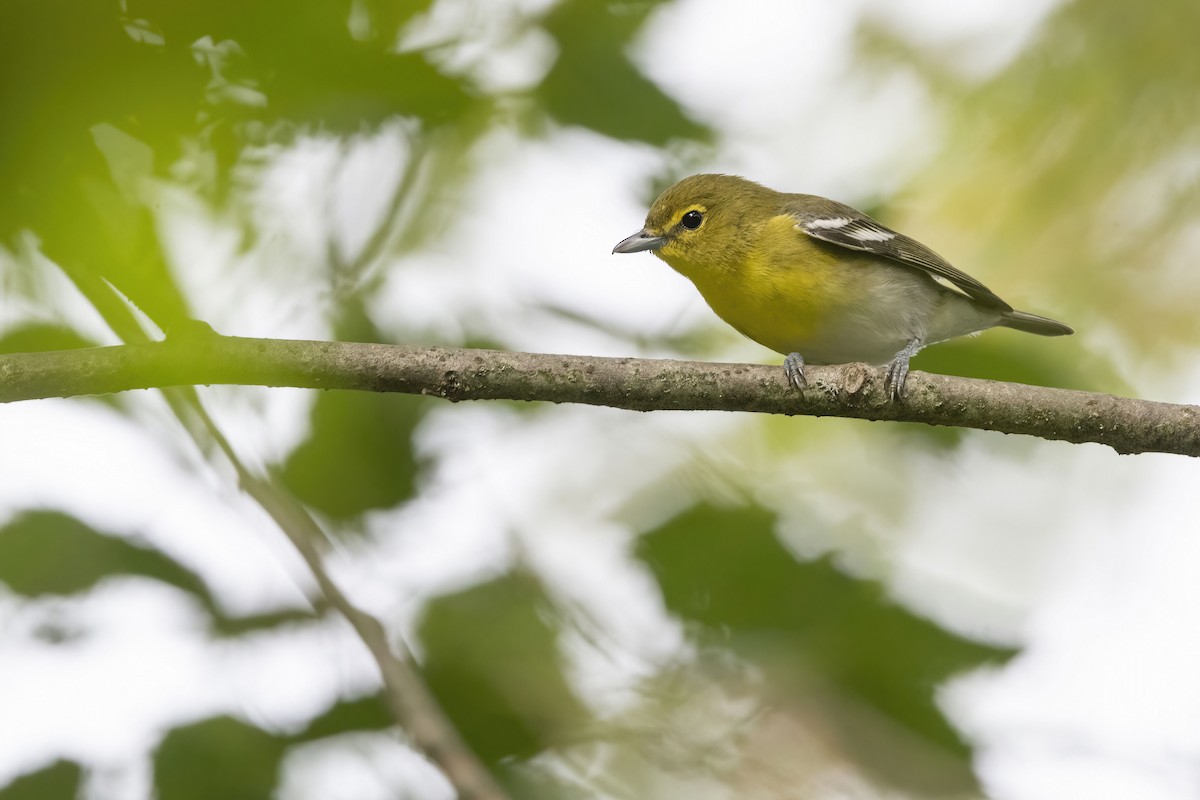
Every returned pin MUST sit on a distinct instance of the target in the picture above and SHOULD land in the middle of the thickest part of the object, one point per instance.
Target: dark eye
(692, 219)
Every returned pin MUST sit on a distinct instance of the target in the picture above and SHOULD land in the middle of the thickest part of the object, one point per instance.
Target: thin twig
(409, 699)
(1124, 424)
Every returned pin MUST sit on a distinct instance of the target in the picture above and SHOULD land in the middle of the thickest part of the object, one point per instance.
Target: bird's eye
(691, 220)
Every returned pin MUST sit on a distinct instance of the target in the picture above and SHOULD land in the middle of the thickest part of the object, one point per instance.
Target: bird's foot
(793, 368)
(897, 370)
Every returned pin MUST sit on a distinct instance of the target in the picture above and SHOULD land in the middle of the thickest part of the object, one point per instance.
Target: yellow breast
(783, 291)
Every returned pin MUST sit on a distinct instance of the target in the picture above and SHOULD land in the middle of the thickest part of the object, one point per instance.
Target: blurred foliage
(309, 65)
(821, 639)
(1070, 174)
(491, 656)
(59, 781)
(1073, 172)
(358, 454)
(1005, 355)
(32, 565)
(129, 94)
(185, 765)
(594, 84)
(225, 757)
(40, 337)
(365, 714)
(88, 97)
(31, 562)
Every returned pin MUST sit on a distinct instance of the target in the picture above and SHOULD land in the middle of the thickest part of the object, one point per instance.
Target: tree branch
(854, 390)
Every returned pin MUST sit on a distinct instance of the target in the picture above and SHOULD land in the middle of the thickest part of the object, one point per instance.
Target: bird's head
(702, 222)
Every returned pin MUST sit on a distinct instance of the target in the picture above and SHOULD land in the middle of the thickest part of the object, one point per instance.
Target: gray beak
(638, 242)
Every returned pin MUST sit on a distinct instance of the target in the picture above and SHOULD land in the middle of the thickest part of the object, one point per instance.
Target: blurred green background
(606, 604)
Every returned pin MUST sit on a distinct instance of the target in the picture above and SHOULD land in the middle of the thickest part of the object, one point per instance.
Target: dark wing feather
(846, 227)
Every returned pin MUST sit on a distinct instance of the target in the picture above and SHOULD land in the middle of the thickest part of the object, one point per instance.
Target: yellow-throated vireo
(817, 280)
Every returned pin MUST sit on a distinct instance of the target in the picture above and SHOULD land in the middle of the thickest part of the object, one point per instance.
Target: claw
(893, 380)
(897, 370)
(793, 368)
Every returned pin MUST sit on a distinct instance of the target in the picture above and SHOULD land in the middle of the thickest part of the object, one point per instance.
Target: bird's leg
(897, 369)
(793, 368)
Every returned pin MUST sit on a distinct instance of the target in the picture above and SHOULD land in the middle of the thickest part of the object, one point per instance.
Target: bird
(818, 280)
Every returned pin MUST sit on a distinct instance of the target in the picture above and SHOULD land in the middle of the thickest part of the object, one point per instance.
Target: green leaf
(364, 714)
(48, 552)
(32, 563)
(492, 660)
(218, 758)
(358, 455)
(59, 781)
(594, 84)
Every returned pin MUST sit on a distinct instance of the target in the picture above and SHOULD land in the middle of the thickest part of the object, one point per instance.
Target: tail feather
(1032, 323)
